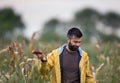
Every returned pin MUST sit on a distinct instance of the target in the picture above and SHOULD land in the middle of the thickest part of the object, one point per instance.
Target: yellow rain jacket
(54, 64)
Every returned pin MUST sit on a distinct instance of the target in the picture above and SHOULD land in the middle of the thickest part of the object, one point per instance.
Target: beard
(72, 47)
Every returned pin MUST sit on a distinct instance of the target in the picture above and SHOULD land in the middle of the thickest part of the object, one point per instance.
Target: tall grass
(19, 65)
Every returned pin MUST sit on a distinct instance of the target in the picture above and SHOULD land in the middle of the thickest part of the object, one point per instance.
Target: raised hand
(40, 55)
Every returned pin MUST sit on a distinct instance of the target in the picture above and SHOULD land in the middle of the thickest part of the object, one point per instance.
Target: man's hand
(40, 55)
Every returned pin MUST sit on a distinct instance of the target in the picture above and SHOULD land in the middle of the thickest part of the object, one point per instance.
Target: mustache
(73, 48)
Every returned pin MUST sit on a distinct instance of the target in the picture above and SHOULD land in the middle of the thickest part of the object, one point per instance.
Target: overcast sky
(36, 12)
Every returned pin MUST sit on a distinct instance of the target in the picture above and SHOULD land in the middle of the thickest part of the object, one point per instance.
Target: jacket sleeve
(45, 67)
(89, 76)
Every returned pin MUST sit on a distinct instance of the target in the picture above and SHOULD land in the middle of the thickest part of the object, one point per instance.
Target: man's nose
(77, 44)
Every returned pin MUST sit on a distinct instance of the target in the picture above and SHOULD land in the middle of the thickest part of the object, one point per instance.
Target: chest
(70, 61)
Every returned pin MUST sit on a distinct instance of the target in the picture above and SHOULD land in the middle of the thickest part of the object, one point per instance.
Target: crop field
(19, 65)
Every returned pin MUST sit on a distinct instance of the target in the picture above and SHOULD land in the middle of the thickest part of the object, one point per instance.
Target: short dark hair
(74, 32)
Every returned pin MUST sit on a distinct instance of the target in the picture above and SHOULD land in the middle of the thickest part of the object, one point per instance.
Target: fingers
(36, 52)
(39, 54)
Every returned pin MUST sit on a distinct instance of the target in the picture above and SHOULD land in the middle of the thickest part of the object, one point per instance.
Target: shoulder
(54, 52)
(84, 54)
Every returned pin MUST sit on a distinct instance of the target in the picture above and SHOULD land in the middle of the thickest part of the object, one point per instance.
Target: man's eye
(76, 42)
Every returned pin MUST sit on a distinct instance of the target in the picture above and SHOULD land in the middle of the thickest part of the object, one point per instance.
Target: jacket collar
(62, 48)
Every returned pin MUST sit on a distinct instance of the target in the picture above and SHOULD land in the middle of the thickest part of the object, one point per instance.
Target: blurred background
(35, 24)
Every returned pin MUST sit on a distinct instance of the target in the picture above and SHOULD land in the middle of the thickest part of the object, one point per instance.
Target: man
(68, 63)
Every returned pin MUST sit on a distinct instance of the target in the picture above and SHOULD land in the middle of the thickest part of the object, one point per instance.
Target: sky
(35, 13)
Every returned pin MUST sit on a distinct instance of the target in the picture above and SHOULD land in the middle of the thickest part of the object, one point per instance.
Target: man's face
(74, 43)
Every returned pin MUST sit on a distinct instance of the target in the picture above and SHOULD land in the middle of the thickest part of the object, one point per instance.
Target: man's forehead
(74, 37)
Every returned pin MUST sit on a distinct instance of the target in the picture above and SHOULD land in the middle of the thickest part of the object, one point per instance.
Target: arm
(46, 61)
(46, 67)
(89, 76)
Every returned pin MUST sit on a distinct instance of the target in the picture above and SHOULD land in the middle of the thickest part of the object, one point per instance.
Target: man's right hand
(40, 55)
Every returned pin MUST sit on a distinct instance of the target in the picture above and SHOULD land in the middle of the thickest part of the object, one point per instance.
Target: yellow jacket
(54, 61)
